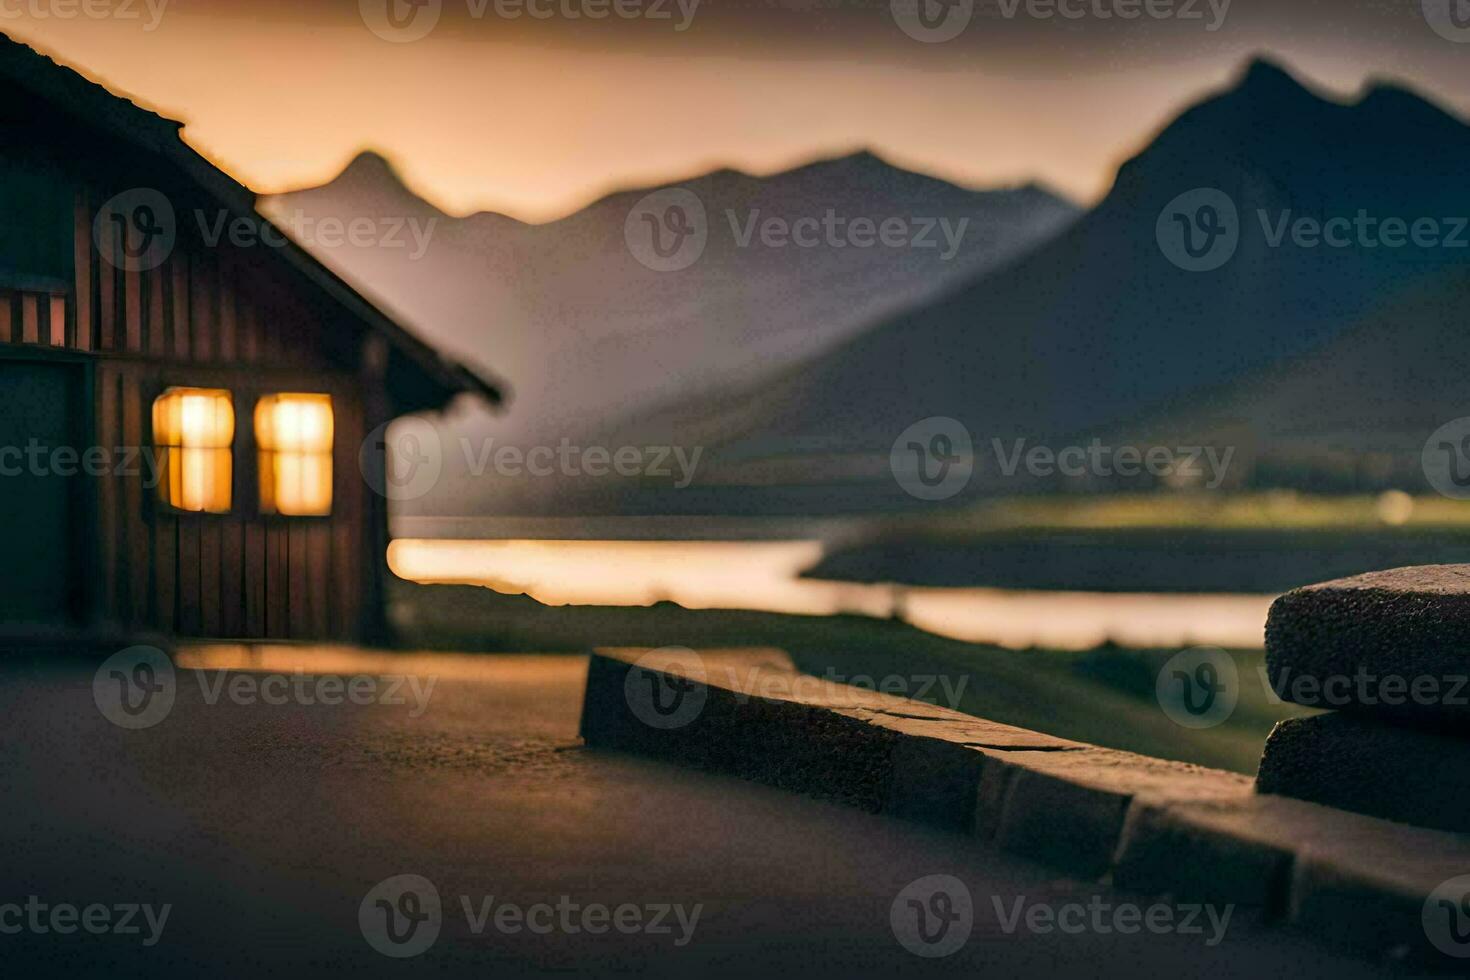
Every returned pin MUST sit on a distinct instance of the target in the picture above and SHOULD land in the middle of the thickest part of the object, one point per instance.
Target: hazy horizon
(537, 118)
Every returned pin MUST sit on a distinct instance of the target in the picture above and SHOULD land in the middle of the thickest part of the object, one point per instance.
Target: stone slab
(1393, 643)
(1371, 767)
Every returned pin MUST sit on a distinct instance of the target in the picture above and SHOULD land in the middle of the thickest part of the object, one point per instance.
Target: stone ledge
(1158, 827)
(1371, 767)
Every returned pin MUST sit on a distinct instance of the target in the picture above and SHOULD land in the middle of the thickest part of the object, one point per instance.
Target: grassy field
(1103, 696)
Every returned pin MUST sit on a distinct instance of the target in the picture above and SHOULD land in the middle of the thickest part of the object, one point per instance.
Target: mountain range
(1299, 348)
(1324, 358)
(584, 331)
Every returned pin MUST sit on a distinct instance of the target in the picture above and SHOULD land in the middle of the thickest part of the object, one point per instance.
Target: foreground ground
(1105, 696)
(264, 826)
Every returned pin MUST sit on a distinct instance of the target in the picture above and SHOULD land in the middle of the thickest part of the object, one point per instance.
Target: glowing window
(294, 433)
(192, 431)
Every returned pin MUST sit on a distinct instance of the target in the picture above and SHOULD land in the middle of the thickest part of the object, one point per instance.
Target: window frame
(275, 392)
(245, 473)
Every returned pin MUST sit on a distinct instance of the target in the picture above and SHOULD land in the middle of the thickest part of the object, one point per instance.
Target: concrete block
(1394, 644)
(1371, 767)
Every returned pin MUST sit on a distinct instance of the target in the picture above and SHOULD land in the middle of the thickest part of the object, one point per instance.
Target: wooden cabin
(184, 416)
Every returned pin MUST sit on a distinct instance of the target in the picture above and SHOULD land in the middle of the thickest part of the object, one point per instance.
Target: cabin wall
(211, 316)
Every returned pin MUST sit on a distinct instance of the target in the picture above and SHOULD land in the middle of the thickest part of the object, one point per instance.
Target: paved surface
(265, 827)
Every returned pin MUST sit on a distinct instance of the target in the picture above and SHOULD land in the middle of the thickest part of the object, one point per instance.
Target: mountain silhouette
(584, 332)
(1100, 330)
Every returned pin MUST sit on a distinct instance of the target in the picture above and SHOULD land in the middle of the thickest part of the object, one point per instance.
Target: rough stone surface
(1372, 767)
(1069, 808)
(1394, 643)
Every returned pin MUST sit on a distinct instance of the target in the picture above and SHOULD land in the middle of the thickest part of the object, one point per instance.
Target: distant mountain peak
(370, 164)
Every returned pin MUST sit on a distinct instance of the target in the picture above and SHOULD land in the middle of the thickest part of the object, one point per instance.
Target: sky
(533, 108)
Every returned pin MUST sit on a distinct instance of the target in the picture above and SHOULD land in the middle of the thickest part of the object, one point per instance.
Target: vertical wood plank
(278, 622)
(108, 418)
(156, 286)
(85, 274)
(132, 284)
(226, 269)
(210, 553)
(181, 303)
(232, 577)
(58, 322)
(299, 601)
(139, 557)
(165, 572)
(255, 579)
(7, 318)
(189, 616)
(30, 318)
(107, 306)
(202, 319)
(318, 574)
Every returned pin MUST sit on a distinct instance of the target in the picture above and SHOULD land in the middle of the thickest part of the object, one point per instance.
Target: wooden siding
(211, 316)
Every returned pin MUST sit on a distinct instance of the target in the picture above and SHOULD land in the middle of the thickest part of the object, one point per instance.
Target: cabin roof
(29, 69)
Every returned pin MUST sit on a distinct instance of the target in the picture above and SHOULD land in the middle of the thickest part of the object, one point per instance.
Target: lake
(765, 576)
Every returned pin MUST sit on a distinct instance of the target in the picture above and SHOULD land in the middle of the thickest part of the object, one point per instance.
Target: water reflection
(765, 576)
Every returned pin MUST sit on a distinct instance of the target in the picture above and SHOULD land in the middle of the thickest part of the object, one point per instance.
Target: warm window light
(294, 433)
(193, 429)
